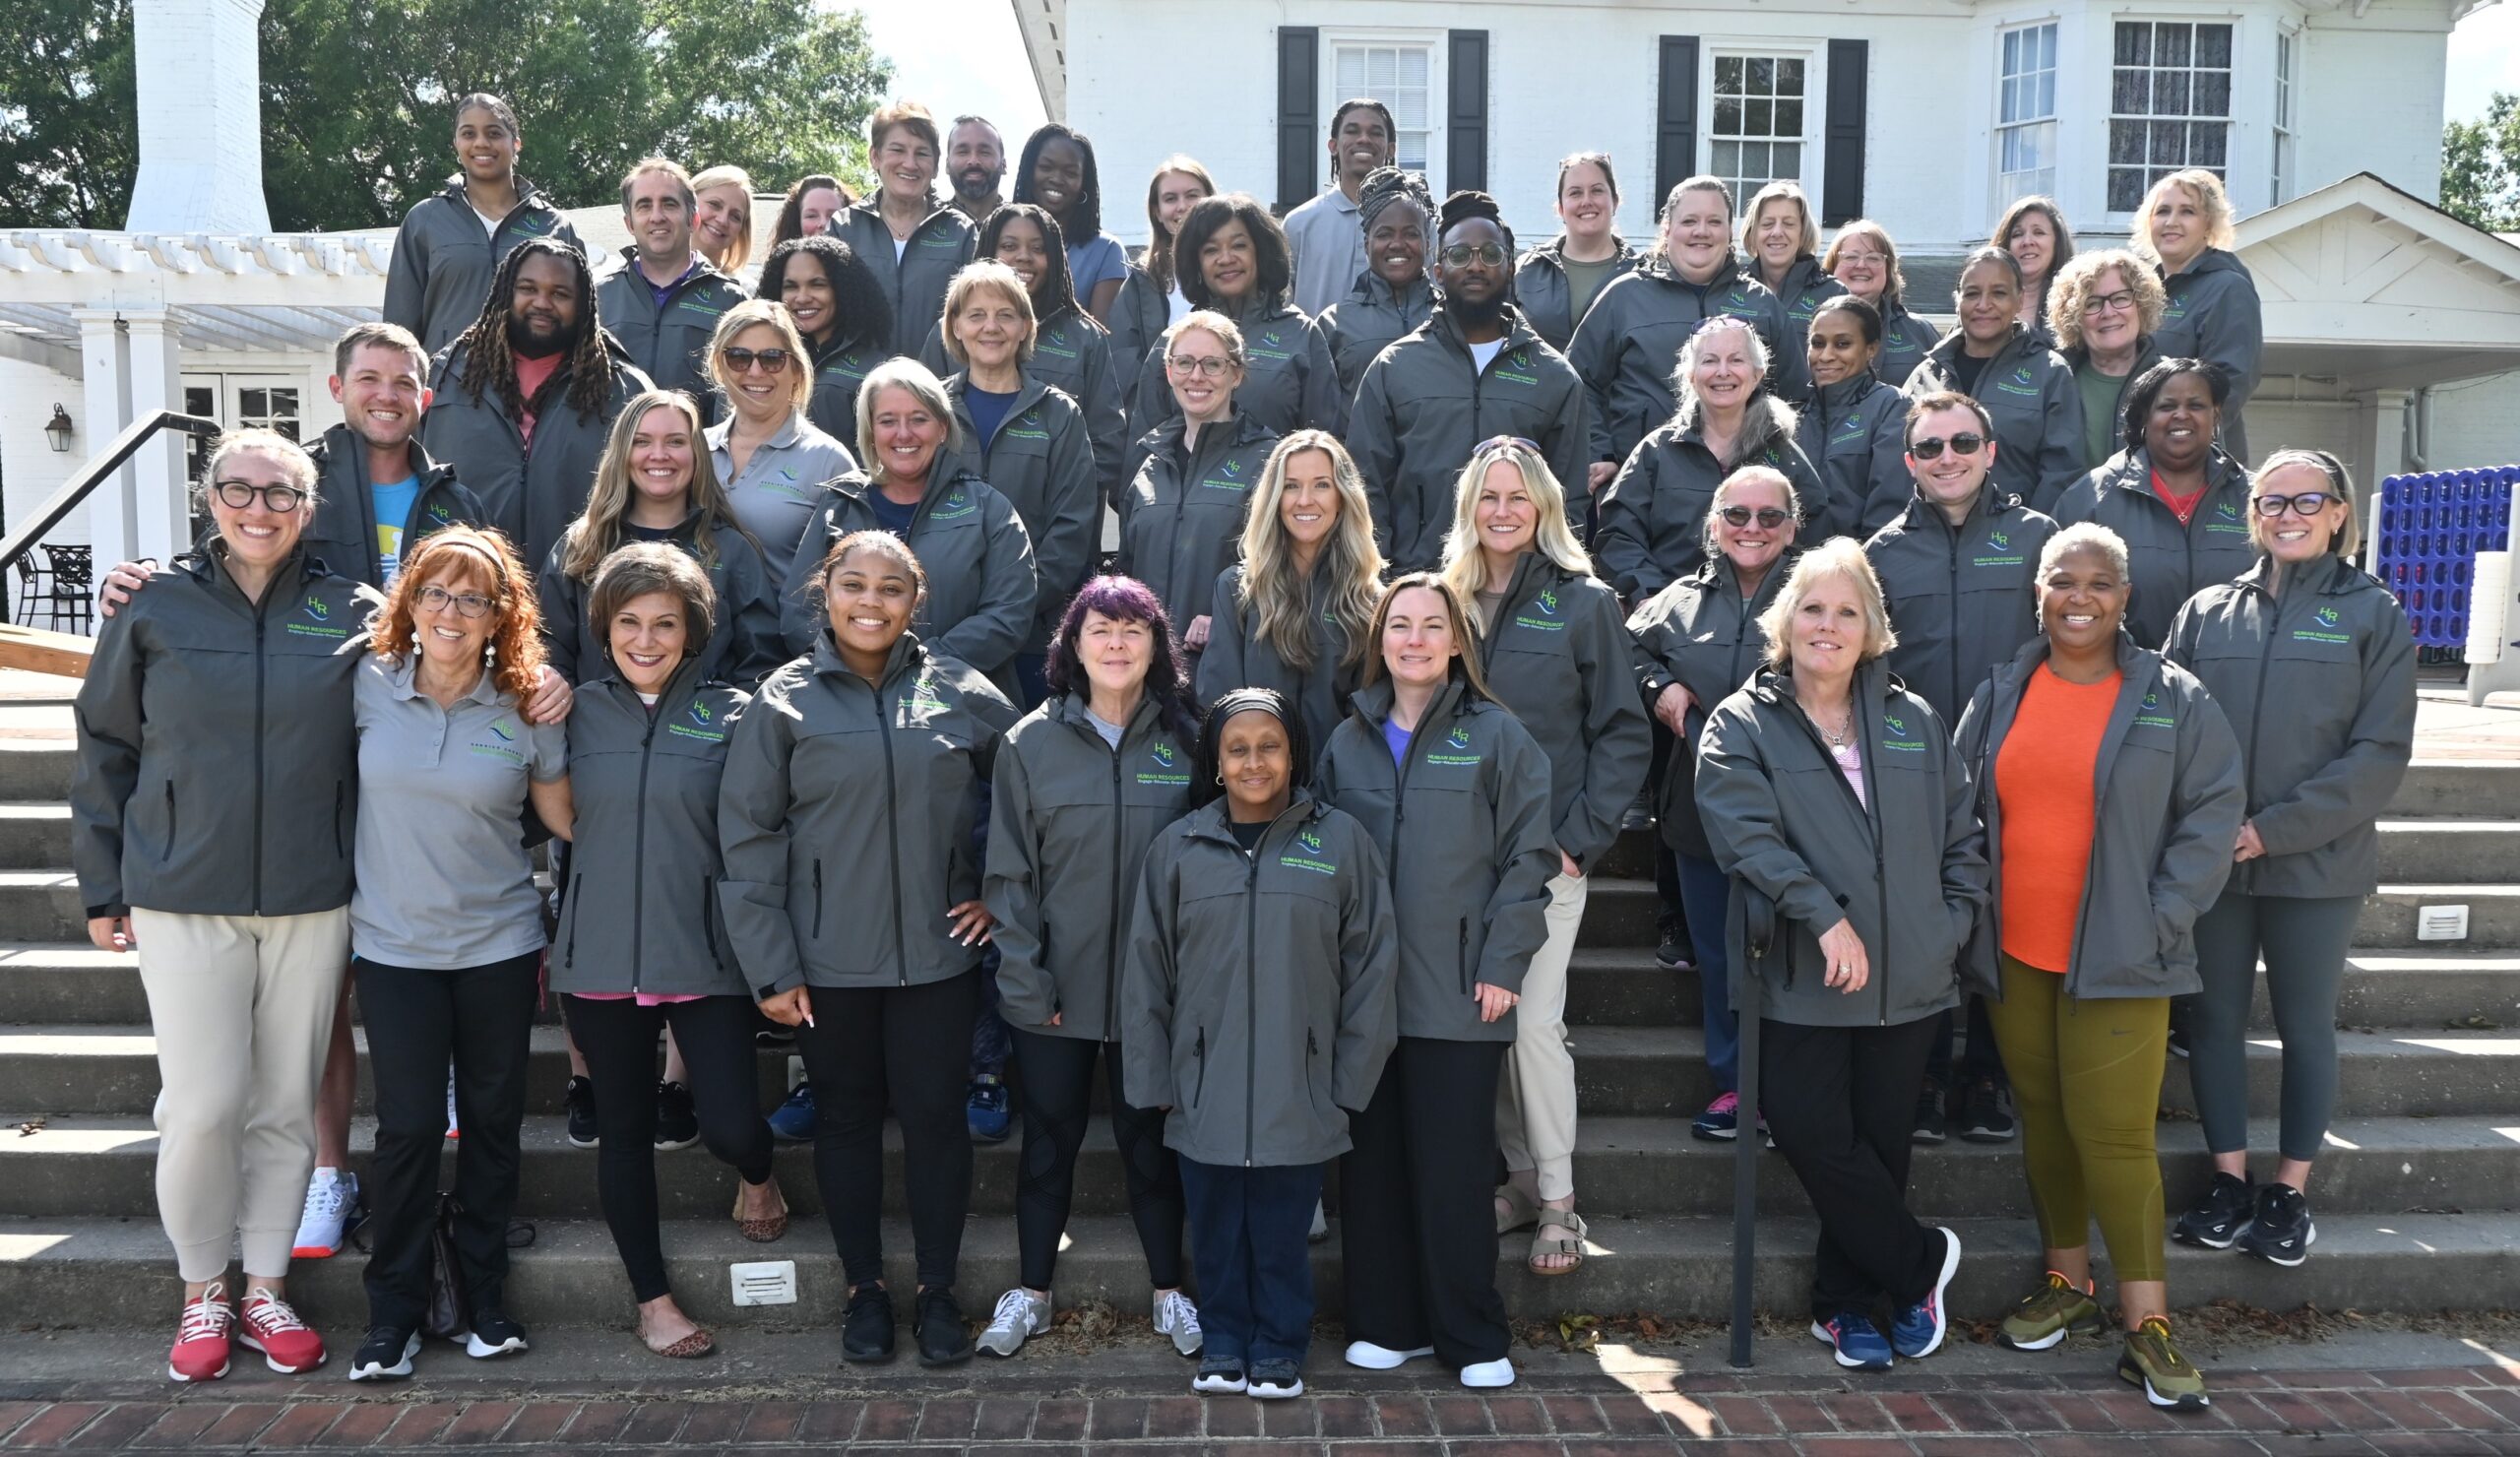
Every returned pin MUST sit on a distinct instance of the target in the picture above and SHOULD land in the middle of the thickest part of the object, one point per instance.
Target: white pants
(242, 1009)
(1535, 1098)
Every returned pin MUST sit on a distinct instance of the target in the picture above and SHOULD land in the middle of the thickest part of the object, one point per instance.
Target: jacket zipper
(1880, 870)
(708, 914)
(261, 675)
(818, 898)
(1952, 539)
(1199, 1088)
(341, 795)
(1462, 956)
(577, 887)
(1111, 958)
(171, 822)
(1251, 1004)
(639, 858)
(2257, 709)
(893, 829)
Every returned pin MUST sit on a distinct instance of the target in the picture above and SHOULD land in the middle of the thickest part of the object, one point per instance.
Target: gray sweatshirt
(1291, 384)
(1368, 319)
(1628, 346)
(1181, 517)
(669, 342)
(1960, 596)
(915, 273)
(2214, 315)
(1073, 355)
(1854, 433)
(1042, 463)
(1542, 293)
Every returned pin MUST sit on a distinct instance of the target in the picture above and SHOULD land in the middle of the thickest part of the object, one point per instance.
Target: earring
(1219, 775)
(489, 654)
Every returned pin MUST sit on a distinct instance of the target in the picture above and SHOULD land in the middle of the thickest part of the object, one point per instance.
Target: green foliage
(2480, 166)
(68, 147)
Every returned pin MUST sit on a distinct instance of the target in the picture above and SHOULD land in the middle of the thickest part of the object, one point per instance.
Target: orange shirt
(2045, 787)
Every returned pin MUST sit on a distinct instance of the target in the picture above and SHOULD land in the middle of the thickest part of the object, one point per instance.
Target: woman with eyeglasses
(2213, 313)
(1232, 259)
(1555, 283)
(1393, 296)
(1851, 430)
(2312, 646)
(1780, 246)
(767, 451)
(2026, 387)
(1186, 503)
(1151, 298)
(2034, 231)
(1864, 259)
(2103, 315)
(838, 306)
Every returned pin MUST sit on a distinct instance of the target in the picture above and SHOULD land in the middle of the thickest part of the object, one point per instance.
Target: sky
(2484, 53)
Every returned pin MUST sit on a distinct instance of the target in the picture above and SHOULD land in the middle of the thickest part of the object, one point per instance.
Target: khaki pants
(242, 1009)
(1536, 1099)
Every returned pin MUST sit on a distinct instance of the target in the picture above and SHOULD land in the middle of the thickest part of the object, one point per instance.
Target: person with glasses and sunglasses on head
(1957, 569)
(1864, 259)
(1392, 295)
(1472, 371)
(2102, 313)
(2308, 645)
(773, 460)
(2026, 387)
(1184, 513)
(1853, 427)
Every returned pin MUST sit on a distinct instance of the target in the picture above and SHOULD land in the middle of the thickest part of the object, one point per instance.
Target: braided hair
(1468, 204)
(1085, 211)
(1384, 186)
(489, 363)
(1054, 294)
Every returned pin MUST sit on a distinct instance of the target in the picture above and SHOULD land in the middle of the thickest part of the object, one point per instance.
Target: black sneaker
(1931, 1127)
(866, 1330)
(937, 1322)
(386, 1355)
(493, 1334)
(579, 1098)
(1220, 1375)
(1639, 816)
(2215, 1221)
(678, 1123)
(2280, 1232)
(1671, 944)
(1984, 1117)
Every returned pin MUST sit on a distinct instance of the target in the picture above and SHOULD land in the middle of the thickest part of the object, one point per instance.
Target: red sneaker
(200, 1340)
(267, 1324)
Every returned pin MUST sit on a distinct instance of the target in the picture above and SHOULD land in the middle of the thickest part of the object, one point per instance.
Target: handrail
(73, 491)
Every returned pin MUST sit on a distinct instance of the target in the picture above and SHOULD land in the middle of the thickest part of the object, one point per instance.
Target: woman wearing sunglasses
(2309, 644)
(772, 456)
(2026, 386)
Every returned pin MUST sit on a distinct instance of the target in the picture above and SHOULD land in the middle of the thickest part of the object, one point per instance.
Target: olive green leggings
(2086, 1078)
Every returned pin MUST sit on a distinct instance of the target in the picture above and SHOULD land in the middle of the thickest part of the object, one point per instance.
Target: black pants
(1669, 756)
(1255, 1271)
(1058, 1091)
(910, 1046)
(618, 1039)
(417, 1020)
(1977, 1056)
(1418, 1232)
(1840, 1101)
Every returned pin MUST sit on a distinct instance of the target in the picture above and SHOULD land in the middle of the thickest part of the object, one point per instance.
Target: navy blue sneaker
(1917, 1331)
(1859, 1343)
(986, 1113)
(792, 1121)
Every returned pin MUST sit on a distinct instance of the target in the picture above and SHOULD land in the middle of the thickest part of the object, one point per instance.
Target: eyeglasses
(236, 495)
(467, 604)
(2304, 503)
(739, 361)
(1214, 367)
(2099, 304)
(1503, 442)
(1737, 517)
(1461, 255)
(1848, 255)
(1930, 448)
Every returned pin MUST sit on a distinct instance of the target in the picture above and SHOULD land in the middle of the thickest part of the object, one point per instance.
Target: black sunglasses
(739, 361)
(1930, 448)
(1737, 517)
(2304, 503)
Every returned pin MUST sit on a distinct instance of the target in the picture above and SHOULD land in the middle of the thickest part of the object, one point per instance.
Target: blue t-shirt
(394, 500)
(1093, 261)
(989, 410)
(1398, 737)
(891, 515)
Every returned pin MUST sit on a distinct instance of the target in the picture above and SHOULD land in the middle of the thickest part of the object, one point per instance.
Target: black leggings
(1058, 1073)
(910, 1046)
(618, 1039)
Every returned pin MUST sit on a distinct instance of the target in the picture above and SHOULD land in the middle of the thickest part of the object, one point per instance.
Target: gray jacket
(2146, 357)
(645, 784)
(981, 582)
(1070, 820)
(1293, 383)
(343, 534)
(2168, 562)
(1854, 432)
(1960, 598)
(1628, 346)
(1238, 656)
(1474, 873)
(669, 342)
(942, 242)
(1181, 517)
(743, 643)
(2166, 813)
(1558, 658)
(839, 369)
(2214, 315)
(1904, 864)
(1424, 405)
(1368, 321)
(1806, 288)
(1041, 462)
(1653, 514)
(2331, 663)
(1139, 318)
(846, 816)
(1072, 355)
(2029, 390)
(444, 260)
(1257, 998)
(1540, 289)
(209, 727)
(1904, 339)
(532, 491)
(1702, 634)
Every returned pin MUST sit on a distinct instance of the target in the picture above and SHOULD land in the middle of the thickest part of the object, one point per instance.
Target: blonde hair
(801, 361)
(1879, 236)
(1465, 625)
(1839, 556)
(294, 462)
(1465, 565)
(988, 273)
(1750, 475)
(2077, 280)
(1222, 326)
(2213, 204)
(2340, 484)
(594, 534)
(900, 372)
(726, 174)
(1277, 606)
(1790, 192)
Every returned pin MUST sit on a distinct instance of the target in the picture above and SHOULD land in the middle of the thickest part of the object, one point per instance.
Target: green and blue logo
(2000, 541)
(957, 504)
(1165, 773)
(703, 726)
(321, 611)
(2152, 717)
(1306, 854)
(1311, 839)
(2328, 616)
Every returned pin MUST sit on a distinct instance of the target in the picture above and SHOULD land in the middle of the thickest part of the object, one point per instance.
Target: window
(200, 400)
(1757, 137)
(1400, 76)
(2279, 182)
(2026, 115)
(2170, 104)
(269, 407)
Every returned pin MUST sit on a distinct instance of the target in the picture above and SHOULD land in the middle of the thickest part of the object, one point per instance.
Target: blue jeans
(1706, 896)
(1248, 1251)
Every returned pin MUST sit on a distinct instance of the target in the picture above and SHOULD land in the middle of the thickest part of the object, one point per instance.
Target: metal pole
(1759, 920)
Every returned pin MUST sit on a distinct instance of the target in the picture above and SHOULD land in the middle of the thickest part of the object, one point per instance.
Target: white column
(198, 72)
(105, 368)
(2382, 448)
(160, 520)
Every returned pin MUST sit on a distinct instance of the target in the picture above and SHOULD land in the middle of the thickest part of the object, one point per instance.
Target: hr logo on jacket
(1453, 753)
(703, 724)
(1902, 743)
(1545, 605)
(1306, 854)
(2153, 717)
(321, 613)
(2327, 619)
(2020, 383)
(1165, 773)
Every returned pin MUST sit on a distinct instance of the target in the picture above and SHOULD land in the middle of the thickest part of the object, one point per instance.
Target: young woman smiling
(1555, 283)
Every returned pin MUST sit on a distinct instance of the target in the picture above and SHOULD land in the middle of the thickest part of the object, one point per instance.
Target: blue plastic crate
(2432, 526)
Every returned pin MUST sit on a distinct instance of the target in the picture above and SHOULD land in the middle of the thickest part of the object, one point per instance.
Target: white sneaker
(1020, 1315)
(1174, 1316)
(1489, 1374)
(1321, 1230)
(452, 1132)
(1372, 1357)
(331, 1206)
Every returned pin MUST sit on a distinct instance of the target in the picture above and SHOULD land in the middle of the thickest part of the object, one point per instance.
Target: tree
(69, 147)
(2480, 166)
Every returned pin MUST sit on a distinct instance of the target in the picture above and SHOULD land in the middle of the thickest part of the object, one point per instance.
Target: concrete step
(90, 1167)
(38, 767)
(2458, 787)
(35, 835)
(117, 1274)
(1620, 1072)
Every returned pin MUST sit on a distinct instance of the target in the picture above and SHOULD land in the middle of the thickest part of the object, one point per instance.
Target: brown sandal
(1572, 1249)
(758, 1231)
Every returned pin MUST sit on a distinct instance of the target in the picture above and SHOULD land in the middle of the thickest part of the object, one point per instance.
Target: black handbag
(448, 1313)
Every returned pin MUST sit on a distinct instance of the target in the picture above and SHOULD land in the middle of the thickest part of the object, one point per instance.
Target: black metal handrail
(75, 490)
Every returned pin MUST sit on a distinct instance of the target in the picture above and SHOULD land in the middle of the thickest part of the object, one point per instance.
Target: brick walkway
(2332, 1414)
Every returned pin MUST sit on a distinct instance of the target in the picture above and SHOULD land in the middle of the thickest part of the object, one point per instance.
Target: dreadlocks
(490, 363)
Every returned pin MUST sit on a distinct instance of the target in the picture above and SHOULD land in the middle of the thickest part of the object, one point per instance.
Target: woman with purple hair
(1084, 783)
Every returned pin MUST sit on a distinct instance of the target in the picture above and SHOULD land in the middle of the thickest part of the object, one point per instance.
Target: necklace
(1839, 735)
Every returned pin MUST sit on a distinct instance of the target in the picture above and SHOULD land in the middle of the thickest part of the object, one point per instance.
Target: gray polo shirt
(441, 804)
(782, 486)
(1329, 238)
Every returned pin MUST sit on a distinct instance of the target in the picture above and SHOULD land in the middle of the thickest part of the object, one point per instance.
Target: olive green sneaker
(2047, 1313)
(2168, 1379)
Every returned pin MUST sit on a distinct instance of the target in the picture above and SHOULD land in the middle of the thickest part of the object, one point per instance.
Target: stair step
(39, 767)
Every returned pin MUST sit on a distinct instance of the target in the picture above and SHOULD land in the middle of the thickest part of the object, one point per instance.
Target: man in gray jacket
(663, 301)
(378, 494)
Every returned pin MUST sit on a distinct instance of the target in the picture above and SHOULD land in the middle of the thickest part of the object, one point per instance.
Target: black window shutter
(1674, 117)
(1842, 156)
(1300, 157)
(1466, 124)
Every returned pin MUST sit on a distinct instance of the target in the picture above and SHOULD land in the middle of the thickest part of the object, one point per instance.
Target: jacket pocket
(1199, 1051)
(569, 932)
(818, 898)
(341, 801)
(170, 853)
(1315, 1074)
(1461, 958)
(709, 915)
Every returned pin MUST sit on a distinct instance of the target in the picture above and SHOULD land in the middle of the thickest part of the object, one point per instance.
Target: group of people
(1942, 666)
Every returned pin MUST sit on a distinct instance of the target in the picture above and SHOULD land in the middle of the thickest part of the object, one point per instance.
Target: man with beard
(1474, 370)
(665, 299)
(976, 163)
(1328, 232)
(525, 396)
